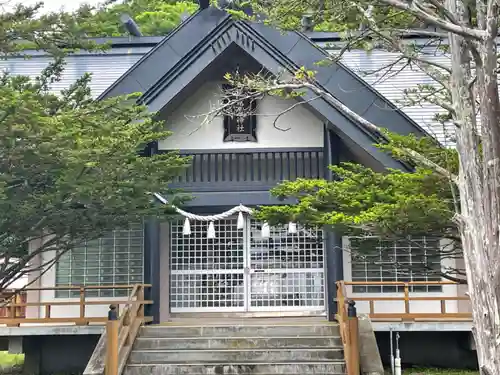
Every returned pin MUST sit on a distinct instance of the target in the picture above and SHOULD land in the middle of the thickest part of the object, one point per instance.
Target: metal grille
(115, 259)
(207, 274)
(404, 260)
(286, 270)
(239, 271)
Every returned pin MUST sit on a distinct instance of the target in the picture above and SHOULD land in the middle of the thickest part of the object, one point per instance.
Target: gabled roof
(211, 35)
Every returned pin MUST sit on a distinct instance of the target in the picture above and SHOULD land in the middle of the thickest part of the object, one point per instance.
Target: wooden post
(443, 307)
(353, 332)
(140, 297)
(13, 308)
(340, 298)
(12, 311)
(82, 304)
(111, 367)
(407, 298)
(17, 301)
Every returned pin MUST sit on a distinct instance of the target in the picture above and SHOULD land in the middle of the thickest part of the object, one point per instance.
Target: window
(240, 121)
(115, 259)
(415, 259)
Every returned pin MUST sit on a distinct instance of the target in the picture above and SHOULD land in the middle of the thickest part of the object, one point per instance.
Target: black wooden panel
(239, 168)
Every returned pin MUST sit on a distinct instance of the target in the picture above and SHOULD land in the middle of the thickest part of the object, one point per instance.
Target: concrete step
(241, 331)
(239, 368)
(143, 343)
(234, 355)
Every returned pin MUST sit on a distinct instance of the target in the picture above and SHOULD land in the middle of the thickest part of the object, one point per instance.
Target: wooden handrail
(71, 303)
(122, 331)
(406, 297)
(400, 283)
(348, 325)
(15, 308)
(72, 287)
(411, 298)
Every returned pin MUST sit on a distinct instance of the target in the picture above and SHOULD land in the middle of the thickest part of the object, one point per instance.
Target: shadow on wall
(430, 349)
(64, 354)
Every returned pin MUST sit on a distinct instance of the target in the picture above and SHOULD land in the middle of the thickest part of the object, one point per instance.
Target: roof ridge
(347, 69)
(164, 40)
(220, 29)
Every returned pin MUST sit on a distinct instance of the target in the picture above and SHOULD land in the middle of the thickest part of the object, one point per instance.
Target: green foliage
(154, 17)
(360, 200)
(71, 167)
(69, 149)
(446, 158)
(55, 32)
(438, 371)
(331, 15)
(10, 361)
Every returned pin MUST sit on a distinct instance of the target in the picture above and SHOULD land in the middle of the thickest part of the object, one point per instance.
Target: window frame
(410, 276)
(250, 124)
(91, 260)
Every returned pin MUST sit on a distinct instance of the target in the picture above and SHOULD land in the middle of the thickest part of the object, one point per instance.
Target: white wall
(398, 306)
(191, 130)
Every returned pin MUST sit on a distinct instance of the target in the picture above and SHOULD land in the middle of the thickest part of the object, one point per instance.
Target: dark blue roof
(210, 35)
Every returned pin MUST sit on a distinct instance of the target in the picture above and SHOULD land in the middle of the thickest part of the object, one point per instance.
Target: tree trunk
(478, 185)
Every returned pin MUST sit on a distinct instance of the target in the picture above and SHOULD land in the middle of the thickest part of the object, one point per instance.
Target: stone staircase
(272, 347)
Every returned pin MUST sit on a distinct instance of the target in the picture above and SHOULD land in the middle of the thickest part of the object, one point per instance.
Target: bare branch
(416, 8)
(296, 85)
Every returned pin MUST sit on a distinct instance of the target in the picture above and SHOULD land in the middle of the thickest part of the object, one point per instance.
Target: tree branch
(295, 85)
(415, 8)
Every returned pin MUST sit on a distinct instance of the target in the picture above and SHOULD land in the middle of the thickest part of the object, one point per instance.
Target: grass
(438, 371)
(8, 361)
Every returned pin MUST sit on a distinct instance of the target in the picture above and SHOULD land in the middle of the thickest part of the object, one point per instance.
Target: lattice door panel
(207, 274)
(286, 270)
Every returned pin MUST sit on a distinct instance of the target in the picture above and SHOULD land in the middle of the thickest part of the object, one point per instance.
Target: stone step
(241, 331)
(234, 355)
(239, 368)
(237, 342)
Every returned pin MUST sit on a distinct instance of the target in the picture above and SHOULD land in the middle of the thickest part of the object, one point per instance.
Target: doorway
(239, 271)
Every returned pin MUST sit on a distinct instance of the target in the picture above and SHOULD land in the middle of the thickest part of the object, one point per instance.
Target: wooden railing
(347, 311)
(16, 307)
(348, 325)
(121, 331)
(9, 297)
(215, 169)
(115, 344)
(406, 296)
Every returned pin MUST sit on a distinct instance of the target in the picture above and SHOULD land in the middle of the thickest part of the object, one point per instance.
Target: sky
(52, 5)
